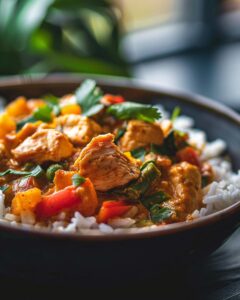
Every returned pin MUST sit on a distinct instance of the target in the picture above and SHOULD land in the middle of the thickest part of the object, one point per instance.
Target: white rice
(223, 192)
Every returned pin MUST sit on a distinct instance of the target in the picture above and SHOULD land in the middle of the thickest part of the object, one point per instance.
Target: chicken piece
(14, 139)
(140, 134)
(185, 182)
(79, 129)
(105, 165)
(43, 145)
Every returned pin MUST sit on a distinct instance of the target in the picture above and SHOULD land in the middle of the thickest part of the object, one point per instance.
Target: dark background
(186, 45)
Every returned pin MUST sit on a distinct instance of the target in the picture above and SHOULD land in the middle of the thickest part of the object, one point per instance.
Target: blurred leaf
(59, 35)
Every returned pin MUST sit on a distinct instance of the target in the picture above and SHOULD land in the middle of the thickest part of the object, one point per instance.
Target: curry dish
(99, 155)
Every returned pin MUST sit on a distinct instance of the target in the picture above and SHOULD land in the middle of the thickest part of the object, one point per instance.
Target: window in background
(229, 19)
(160, 27)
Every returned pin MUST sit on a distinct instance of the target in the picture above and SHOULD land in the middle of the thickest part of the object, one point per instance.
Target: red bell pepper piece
(53, 204)
(112, 209)
(189, 155)
(109, 99)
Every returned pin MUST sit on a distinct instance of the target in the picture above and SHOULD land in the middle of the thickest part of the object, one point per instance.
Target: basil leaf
(156, 198)
(176, 112)
(34, 172)
(158, 213)
(77, 180)
(139, 153)
(4, 187)
(132, 110)
(88, 96)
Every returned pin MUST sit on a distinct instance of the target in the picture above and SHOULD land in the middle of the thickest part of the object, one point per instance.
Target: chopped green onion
(34, 172)
(156, 198)
(176, 113)
(158, 213)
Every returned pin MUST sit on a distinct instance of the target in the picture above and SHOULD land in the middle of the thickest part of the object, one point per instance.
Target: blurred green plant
(59, 35)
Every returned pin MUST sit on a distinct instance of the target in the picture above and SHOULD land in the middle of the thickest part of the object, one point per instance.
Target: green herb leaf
(139, 153)
(21, 123)
(137, 189)
(172, 143)
(88, 96)
(120, 133)
(77, 180)
(158, 213)
(176, 113)
(34, 172)
(132, 110)
(156, 198)
(50, 173)
(53, 102)
(43, 113)
(4, 187)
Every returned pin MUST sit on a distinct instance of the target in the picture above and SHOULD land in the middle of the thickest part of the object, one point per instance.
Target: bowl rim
(140, 85)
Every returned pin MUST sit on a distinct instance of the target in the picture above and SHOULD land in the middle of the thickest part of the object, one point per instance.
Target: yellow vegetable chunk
(7, 124)
(63, 179)
(71, 109)
(18, 108)
(26, 201)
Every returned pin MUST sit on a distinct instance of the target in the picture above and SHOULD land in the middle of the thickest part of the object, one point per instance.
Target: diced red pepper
(53, 204)
(189, 155)
(109, 99)
(112, 209)
(82, 198)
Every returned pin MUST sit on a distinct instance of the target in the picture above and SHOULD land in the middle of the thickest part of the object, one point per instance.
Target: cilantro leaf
(158, 213)
(77, 180)
(34, 172)
(88, 96)
(132, 110)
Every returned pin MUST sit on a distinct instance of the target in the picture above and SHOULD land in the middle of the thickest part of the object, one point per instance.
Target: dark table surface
(216, 277)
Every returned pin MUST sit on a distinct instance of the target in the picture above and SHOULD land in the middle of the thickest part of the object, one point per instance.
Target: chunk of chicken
(79, 129)
(140, 134)
(106, 166)
(43, 145)
(185, 183)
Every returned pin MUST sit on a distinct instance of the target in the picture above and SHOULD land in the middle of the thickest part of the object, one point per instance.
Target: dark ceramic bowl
(52, 256)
